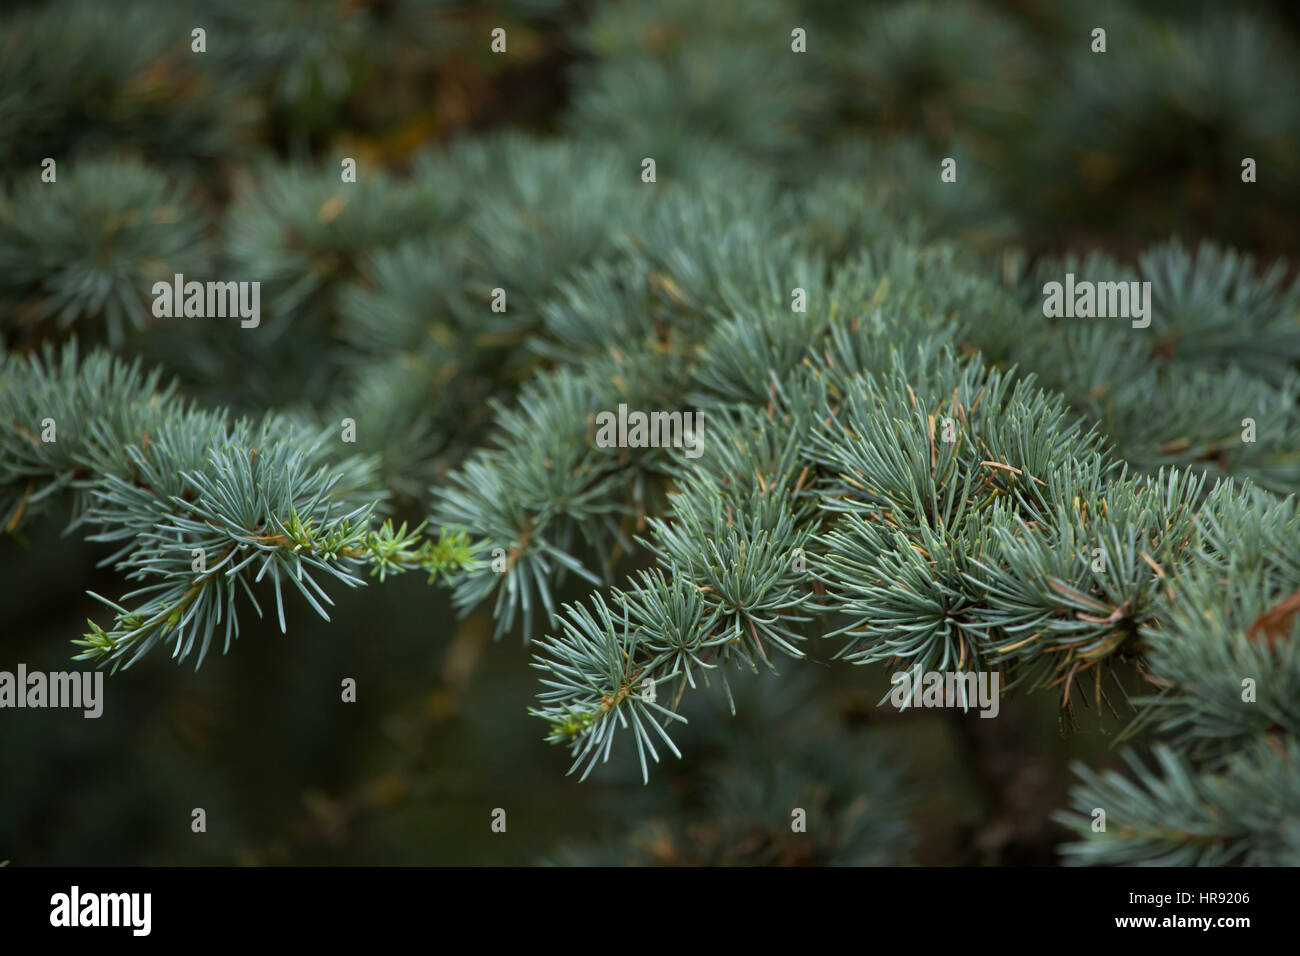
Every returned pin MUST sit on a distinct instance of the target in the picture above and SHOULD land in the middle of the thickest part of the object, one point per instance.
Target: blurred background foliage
(471, 163)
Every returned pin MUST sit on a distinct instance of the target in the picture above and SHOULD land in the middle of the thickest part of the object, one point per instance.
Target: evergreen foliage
(918, 470)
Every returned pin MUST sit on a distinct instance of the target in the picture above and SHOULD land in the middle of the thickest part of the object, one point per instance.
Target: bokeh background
(1059, 149)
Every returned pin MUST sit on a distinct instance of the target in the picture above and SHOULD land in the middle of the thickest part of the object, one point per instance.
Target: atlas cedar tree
(919, 469)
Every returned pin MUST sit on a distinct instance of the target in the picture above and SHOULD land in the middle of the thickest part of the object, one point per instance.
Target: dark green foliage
(85, 250)
(1244, 814)
(916, 468)
(81, 78)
